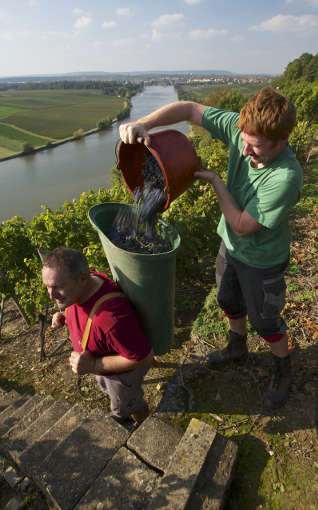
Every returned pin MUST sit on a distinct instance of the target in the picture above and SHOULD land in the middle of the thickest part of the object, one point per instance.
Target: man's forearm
(241, 222)
(88, 363)
(170, 114)
(118, 364)
(228, 206)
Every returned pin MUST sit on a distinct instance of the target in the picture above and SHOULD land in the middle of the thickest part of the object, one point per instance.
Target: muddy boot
(236, 350)
(277, 392)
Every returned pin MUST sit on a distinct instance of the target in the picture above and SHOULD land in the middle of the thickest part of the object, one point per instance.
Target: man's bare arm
(241, 222)
(170, 114)
(87, 363)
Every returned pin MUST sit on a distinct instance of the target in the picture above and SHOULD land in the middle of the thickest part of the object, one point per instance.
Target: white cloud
(287, 23)
(123, 11)
(192, 2)
(158, 35)
(166, 20)
(108, 24)
(77, 12)
(207, 34)
(165, 25)
(83, 22)
(33, 3)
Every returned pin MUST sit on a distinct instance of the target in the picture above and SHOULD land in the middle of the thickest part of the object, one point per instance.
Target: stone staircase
(80, 459)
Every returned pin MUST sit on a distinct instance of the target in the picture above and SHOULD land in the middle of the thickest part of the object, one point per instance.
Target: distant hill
(138, 75)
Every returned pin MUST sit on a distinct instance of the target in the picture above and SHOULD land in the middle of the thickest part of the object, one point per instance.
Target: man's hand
(58, 320)
(82, 362)
(205, 175)
(133, 132)
(241, 222)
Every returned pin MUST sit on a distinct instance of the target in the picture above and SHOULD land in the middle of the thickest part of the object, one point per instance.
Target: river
(54, 176)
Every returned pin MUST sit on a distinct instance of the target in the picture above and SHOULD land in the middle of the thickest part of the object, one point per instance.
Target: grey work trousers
(125, 391)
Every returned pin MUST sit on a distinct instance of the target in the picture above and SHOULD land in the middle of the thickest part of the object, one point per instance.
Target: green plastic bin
(148, 281)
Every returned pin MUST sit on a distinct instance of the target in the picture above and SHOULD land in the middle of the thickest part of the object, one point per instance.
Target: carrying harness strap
(99, 301)
(88, 325)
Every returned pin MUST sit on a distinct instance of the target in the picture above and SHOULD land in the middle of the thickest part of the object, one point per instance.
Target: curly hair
(269, 114)
(74, 261)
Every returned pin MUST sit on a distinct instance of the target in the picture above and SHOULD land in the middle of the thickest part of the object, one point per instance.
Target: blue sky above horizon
(50, 37)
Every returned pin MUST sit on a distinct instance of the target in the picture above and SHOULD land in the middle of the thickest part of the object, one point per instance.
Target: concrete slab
(155, 441)
(37, 429)
(67, 473)
(215, 477)
(184, 468)
(125, 483)
(7, 417)
(25, 414)
(31, 458)
(6, 398)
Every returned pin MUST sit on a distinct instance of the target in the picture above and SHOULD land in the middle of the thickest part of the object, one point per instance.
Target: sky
(240, 36)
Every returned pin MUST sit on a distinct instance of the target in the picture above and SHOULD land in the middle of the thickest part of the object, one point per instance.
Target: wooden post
(3, 298)
(4, 277)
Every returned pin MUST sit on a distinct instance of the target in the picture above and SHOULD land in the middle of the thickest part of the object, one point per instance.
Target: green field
(54, 114)
(12, 139)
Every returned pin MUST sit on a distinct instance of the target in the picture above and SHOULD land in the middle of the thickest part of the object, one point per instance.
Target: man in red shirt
(117, 352)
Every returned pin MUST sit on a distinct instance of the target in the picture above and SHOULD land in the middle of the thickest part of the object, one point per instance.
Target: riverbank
(51, 177)
(57, 143)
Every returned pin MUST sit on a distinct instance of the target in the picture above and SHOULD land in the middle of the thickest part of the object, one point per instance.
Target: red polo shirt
(115, 328)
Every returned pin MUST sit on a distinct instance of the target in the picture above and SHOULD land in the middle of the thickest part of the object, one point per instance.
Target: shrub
(27, 148)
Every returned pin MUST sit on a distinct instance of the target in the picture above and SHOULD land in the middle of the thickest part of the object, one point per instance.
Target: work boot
(236, 350)
(277, 392)
(139, 416)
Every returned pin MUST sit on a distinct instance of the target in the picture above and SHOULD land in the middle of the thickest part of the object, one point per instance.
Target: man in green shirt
(264, 181)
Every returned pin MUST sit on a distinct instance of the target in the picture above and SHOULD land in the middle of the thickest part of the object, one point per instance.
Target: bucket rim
(92, 214)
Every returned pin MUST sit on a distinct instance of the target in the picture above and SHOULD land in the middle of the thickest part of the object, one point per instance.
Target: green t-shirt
(267, 194)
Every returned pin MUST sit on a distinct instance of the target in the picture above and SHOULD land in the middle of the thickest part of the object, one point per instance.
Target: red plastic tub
(174, 154)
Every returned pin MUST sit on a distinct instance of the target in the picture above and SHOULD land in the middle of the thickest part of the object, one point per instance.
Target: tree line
(111, 87)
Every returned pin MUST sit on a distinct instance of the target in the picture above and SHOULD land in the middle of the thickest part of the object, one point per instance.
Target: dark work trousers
(259, 293)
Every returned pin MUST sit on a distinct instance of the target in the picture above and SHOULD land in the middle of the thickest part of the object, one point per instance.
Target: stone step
(190, 468)
(31, 458)
(26, 415)
(32, 433)
(216, 476)
(69, 471)
(7, 398)
(155, 441)
(83, 460)
(125, 483)
(8, 416)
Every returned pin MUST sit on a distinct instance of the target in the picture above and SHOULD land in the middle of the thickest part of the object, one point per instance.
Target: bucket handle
(116, 153)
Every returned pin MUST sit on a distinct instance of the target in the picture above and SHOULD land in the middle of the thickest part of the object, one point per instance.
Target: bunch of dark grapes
(135, 229)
